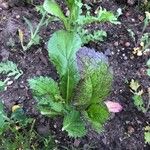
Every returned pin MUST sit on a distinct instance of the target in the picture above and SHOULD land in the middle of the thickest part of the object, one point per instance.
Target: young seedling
(34, 31)
(144, 40)
(34, 37)
(137, 97)
(147, 134)
(9, 69)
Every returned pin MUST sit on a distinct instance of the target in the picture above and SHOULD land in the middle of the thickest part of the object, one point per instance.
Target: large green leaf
(83, 93)
(97, 115)
(47, 94)
(96, 80)
(50, 108)
(44, 87)
(10, 69)
(101, 79)
(73, 124)
(53, 8)
(2, 85)
(62, 48)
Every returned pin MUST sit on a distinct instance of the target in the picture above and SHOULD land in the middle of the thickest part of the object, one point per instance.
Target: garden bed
(125, 130)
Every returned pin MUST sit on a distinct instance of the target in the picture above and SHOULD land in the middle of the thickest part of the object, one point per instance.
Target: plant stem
(148, 104)
(35, 32)
(32, 126)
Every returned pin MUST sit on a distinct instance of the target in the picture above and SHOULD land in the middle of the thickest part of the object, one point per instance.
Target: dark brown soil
(125, 131)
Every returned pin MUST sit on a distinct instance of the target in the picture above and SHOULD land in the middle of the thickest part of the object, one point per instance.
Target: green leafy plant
(147, 134)
(143, 43)
(137, 97)
(17, 131)
(76, 21)
(84, 83)
(9, 69)
(34, 37)
(148, 65)
(17, 117)
(34, 31)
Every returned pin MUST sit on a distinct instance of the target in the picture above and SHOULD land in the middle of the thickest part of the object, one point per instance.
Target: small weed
(9, 69)
(17, 132)
(147, 134)
(137, 97)
(144, 39)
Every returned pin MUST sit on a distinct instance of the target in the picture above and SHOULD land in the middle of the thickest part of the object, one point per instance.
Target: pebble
(127, 44)
(132, 57)
(112, 53)
(55, 126)
(130, 129)
(125, 57)
(43, 130)
(76, 143)
(32, 103)
(131, 2)
(116, 44)
(104, 141)
(133, 20)
(127, 14)
(17, 16)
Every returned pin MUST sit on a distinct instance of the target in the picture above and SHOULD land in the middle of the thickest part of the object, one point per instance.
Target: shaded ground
(125, 130)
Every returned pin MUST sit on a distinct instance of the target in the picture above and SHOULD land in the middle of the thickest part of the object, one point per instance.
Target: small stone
(55, 126)
(127, 44)
(33, 103)
(125, 57)
(17, 16)
(132, 57)
(141, 18)
(130, 129)
(112, 53)
(43, 130)
(104, 141)
(22, 86)
(76, 143)
(116, 44)
(139, 53)
(56, 141)
(127, 14)
(131, 2)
